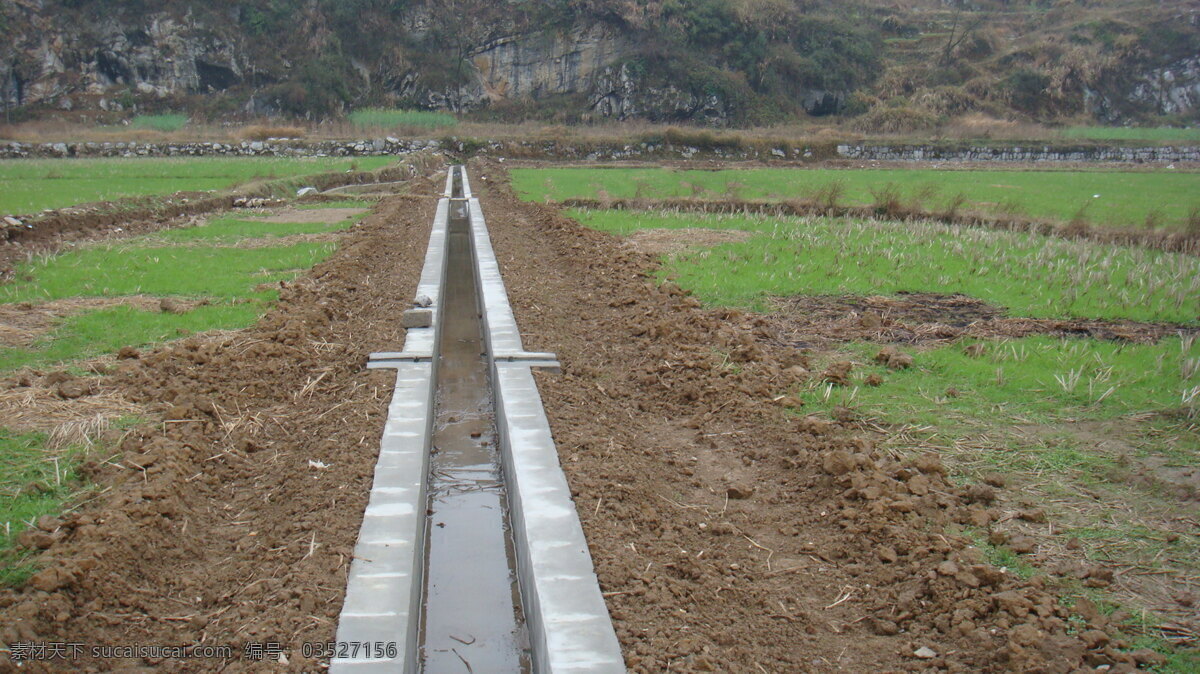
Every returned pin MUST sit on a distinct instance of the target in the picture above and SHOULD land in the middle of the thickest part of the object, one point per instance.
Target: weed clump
(1078, 225)
(1192, 224)
(887, 201)
(829, 195)
(896, 120)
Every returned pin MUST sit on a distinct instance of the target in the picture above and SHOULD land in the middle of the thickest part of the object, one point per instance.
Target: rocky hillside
(896, 64)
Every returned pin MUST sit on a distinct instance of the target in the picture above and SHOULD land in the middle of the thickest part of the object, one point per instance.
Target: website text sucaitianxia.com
(44, 651)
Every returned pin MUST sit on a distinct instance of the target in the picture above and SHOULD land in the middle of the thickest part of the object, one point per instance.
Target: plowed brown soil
(727, 535)
(667, 241)
(212, 526)
(917, 318)
(327, 216)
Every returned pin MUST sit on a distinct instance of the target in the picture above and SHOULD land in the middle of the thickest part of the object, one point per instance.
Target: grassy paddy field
(146, 290)
(1031, 274)
(1095, 433)
(33, 185)
(1124, 199)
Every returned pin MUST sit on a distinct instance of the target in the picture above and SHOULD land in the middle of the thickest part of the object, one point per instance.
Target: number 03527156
(350, 649)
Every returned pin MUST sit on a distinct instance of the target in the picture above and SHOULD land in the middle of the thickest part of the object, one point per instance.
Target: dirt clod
(51, 579)
(169, 305)
(1023, 544)
(740, 491)
(36, 540)
(893, 358)
(981, 493)
(839, 462)
(1037, 515)
(838, 373)
(74, 388)
(930, 464)
(48, 523)
(884, 627)
(1148, 658)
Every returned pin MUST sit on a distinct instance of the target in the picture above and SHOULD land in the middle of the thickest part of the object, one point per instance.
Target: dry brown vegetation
(914, 122)
(263, 132)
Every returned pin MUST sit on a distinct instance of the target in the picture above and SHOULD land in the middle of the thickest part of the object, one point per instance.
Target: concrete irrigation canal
(471, 556)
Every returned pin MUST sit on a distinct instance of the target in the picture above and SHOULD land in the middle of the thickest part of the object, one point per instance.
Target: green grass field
(1108, 198)
(165, 123)
(1032, 380)
(1030, 274)
(25, 461)
(33, 185)
(1159, 134)
(94, 333)
(203, 265)
(232, 229)
(192, 271)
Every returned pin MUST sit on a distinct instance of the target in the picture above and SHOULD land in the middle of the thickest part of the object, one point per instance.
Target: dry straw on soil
(40, 408)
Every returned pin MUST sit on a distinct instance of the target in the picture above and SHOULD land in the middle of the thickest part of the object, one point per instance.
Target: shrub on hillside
(859, 103)
(902, 119)
(946, 101)
(1026, 89)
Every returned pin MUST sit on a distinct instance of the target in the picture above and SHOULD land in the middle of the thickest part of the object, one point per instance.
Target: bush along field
(65, 317)
(1059, 379)
(1159, 199)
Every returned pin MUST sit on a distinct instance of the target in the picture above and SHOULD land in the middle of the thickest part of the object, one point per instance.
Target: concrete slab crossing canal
(471, 557)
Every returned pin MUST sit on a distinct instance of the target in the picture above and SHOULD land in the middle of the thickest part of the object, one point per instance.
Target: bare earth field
(729, 533)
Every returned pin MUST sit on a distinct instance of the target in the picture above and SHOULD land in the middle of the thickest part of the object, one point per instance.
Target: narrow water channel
(472, 619)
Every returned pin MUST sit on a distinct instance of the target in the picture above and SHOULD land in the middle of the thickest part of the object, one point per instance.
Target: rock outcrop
(690, 61)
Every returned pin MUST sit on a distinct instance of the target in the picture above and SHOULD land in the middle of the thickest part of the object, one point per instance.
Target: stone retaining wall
(270, 148)
(1085, 153)
(603, 151)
